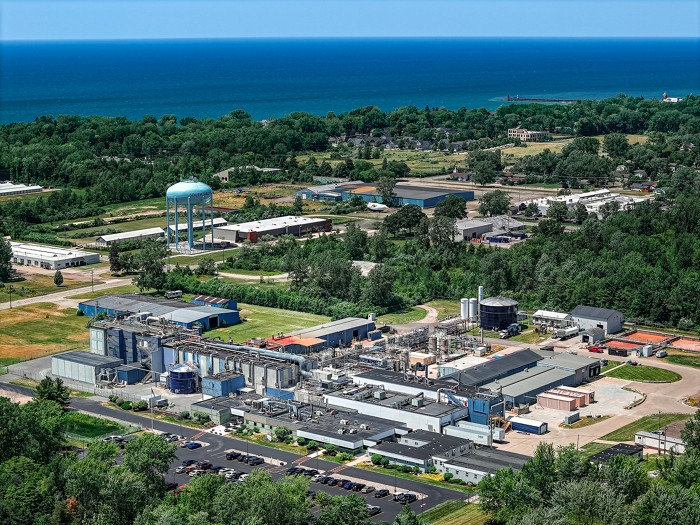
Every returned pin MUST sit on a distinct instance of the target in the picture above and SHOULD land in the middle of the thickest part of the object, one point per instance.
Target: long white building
(51, 257)
(592, 200)
(9, 188)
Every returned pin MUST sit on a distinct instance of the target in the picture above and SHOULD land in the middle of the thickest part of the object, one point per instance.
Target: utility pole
(10, 290)
(92, 279)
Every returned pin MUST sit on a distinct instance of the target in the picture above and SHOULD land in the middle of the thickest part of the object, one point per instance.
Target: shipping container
(531, 426)
(556, 402)
(619, 352)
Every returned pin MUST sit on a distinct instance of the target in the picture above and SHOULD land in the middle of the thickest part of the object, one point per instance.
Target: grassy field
(594, 447)
(609, 366)
(140, 224)
(90, 426)
(646, 424)
(454, 512)
(193, 260)
(37, 330)
(428, 479)
(685, 360)
(533, 148)
(586, 422)
(420, 162)
(444, 307)
(266, 322)
(644, 373)
(528, 336)
(127, 288)
(408, 315)
(38, 284)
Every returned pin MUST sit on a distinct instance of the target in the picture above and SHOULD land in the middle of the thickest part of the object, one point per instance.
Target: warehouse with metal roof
(288, 225)
(493, 369)
(522, 388)
(586, 317)
(8, 189)
(136, 235)
(50, 257)
(328, 335)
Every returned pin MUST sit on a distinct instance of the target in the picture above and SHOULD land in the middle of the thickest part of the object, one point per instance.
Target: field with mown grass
(34, 284)
(644, 373)
(407, 315)
(266, 322)
(454, 512)
(38, 330)
(90, 426)
(645, 424)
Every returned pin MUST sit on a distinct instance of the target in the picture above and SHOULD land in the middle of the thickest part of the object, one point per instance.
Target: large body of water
(271, 78)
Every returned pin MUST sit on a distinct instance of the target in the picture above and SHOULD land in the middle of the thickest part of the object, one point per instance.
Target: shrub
(312, 445)
(141, 405)
(126, 405)
(415, 470)
(201, 417)
(183, 415)
(301, 441)
(119, 401)
(385, 462)
(345, 457)
(376, 459)
(431, 469)
(405, 469)
(112, 398)
(80, 313)
(447, 476)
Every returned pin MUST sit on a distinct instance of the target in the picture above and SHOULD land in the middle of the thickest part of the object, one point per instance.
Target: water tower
(185, 196)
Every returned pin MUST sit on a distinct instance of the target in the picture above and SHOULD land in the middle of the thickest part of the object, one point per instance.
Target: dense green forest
(114, 159)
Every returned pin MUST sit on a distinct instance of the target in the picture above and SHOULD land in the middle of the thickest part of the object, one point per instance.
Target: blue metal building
(222, 384)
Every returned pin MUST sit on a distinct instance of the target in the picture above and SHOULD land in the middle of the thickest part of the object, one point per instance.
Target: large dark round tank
(496, 313)
(182, 380)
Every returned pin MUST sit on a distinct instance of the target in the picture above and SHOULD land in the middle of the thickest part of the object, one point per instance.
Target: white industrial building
(136, 235)
(468, 229)
(8, 189)
(585, 317)
(197, 225)
(289, 225)
(82, 366)
(421, 449)
(549, 318)
(592, 200)
(479, 463)
(50, 257)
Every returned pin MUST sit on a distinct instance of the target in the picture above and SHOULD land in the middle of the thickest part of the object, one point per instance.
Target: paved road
(60, 297)
(215, 448)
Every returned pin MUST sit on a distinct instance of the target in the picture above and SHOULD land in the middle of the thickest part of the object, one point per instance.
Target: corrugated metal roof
(323, 330)
(210, 299)
(271, 224)
(593, 312)
(547, 314)
(130, 235)
(495, 368)
(87, 358)
(536, 382)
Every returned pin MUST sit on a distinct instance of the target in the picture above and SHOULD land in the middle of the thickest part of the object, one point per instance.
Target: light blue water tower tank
(182, 380)
(184, 197)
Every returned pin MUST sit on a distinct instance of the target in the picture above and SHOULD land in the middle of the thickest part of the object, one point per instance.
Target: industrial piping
(270, 353)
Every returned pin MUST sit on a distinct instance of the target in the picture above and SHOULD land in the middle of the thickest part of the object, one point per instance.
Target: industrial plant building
(50, 257)
(167, 310)
(81, 366)
(420, 448)
(423, 196)
(288, 225)
(585, 317)
(130, 236)
(8, 189)
(479, 463)
(468, 229)
(342, 332)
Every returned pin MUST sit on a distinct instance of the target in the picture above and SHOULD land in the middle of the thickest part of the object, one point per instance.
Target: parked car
(243, 458)
(189, 462)
(232, 455)
(316, 478)
(398, 496)
(661, 353)
(367, 489)
(193, 444)
(326, 480)
(196, 472)
(596, 349)
(310, 472)
(256, 461)
(293, 471)
(216, 468)
(357, 487)
(348, 485)
(333, 482)
(342, 482)
(113, 439)
(180, 469)
(381, 493)
(408, 498)
(170, 486)
(373, 509)
(205, 465)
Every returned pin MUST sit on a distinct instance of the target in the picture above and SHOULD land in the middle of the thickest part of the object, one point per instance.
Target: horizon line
(377, 37)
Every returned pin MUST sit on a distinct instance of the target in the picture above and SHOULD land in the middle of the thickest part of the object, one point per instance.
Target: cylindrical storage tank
(473, 309)
(432, 344)
(464, 309)
(481, 294)
(496, 313)
(444, 345)
(182, 380)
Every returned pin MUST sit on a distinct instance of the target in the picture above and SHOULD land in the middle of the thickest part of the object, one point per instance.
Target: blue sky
(146, 19)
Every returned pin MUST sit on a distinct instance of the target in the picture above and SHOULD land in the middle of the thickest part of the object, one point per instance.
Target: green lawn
(38, 284)
(90, 426)
(127, 288)
(454, 512)
(408, 315)
(594, 447)
(266, 322)
(685, 360)
(644, 373)
(609, 366)
(528, 337)
(253, 273)
(444, 307)
(193, 260)
(586, 422)
(37, 330)
(422, 478)
(646, 424)
(140, 224)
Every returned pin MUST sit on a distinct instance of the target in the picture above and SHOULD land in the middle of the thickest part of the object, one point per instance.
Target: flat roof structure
(489, 460)
(593, 312)
(528, 383)
(434, 444)
(209, 299)
(273, 224)
(495, 368)
(325, 329)
(87, 358)
(565, 360)
(135, 234)
(51, 257)
(9, 188)
(554, 316)
(197, 225)
(621, 449)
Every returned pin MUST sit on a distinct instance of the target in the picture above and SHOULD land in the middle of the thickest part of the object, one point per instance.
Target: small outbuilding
(592, 335)
(621, 449)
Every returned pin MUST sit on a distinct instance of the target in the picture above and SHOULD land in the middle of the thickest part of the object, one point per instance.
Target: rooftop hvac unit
(257, 404)
(379, 394)
(363, 426)
(318, 413)
(341, 431)
(417, 401)
(343, 421)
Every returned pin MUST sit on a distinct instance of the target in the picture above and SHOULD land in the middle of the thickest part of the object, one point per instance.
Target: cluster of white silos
(469, 308)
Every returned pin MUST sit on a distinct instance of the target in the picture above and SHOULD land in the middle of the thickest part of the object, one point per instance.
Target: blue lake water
(268, 78)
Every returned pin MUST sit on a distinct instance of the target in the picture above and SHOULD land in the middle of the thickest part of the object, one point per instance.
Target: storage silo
(481, 294)
(182, 380)
(473, 309)
(464, 309)
(496, 313)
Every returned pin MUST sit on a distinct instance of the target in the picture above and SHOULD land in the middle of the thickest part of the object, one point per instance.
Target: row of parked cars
(244, 458)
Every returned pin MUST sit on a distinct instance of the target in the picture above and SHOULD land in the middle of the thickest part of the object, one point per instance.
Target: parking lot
(278, 469)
